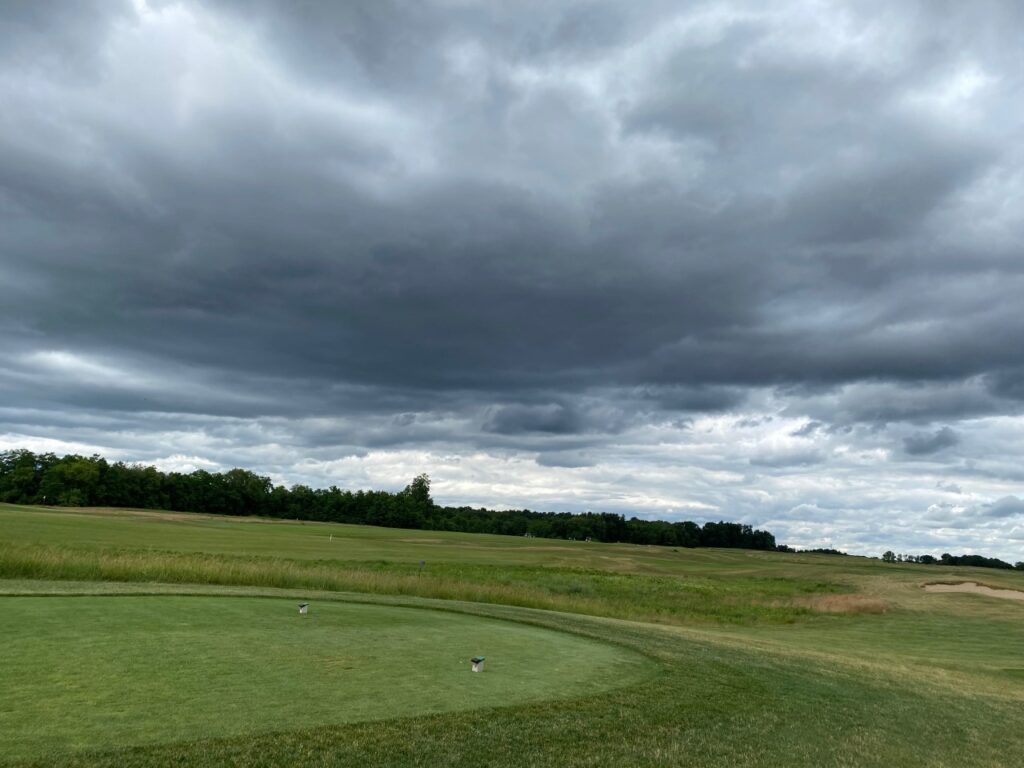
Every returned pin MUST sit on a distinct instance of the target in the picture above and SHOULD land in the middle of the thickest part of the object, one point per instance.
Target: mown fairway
(641, 656)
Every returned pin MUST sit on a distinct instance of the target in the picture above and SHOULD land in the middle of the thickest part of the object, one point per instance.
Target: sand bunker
(974, 588)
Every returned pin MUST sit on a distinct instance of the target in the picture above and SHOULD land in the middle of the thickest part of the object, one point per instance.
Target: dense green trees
(29, 478)
(976, 561)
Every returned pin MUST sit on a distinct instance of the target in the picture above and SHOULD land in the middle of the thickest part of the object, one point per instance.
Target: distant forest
(82, 481)
(975, 561)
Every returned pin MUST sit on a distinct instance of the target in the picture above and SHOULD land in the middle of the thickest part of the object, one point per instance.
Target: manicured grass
(90, 672)
(762, 659)
(709, 704)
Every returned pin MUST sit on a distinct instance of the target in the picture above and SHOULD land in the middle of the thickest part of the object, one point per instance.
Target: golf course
(144, 638)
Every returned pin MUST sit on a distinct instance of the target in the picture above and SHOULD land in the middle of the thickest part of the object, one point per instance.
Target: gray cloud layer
(926, 444)
(543, 251)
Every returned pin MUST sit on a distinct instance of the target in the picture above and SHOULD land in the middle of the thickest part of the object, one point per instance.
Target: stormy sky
(759, 261)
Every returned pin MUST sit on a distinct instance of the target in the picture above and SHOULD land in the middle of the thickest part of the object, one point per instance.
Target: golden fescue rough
(844, 604)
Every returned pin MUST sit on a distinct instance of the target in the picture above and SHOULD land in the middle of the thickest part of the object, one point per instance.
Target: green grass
(260, 537)
(707, 704)
(758, 659)
(671, 599)
(150, 669)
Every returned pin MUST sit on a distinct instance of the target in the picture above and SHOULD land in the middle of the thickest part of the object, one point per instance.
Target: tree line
(975, 561)
(73, 480)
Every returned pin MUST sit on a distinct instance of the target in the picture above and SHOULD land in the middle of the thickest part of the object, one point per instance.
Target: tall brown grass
(845, 604)
(638, 597)
(59, 563)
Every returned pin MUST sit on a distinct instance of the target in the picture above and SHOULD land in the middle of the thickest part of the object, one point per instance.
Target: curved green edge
(88, 672)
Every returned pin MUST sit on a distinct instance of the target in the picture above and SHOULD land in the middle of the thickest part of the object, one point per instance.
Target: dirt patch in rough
(848, 604)
(974, 588)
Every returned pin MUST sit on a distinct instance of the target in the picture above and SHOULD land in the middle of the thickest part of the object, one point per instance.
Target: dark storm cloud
(65, 38)
(692, 398)
(1008, 383)
(884, 403)
(1008, 506)
(566, 459)
(307, 246)
(564, 230)
(516, 419)
(925, 444)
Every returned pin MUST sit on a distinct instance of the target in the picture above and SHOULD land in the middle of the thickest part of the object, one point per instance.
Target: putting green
(98, 672)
